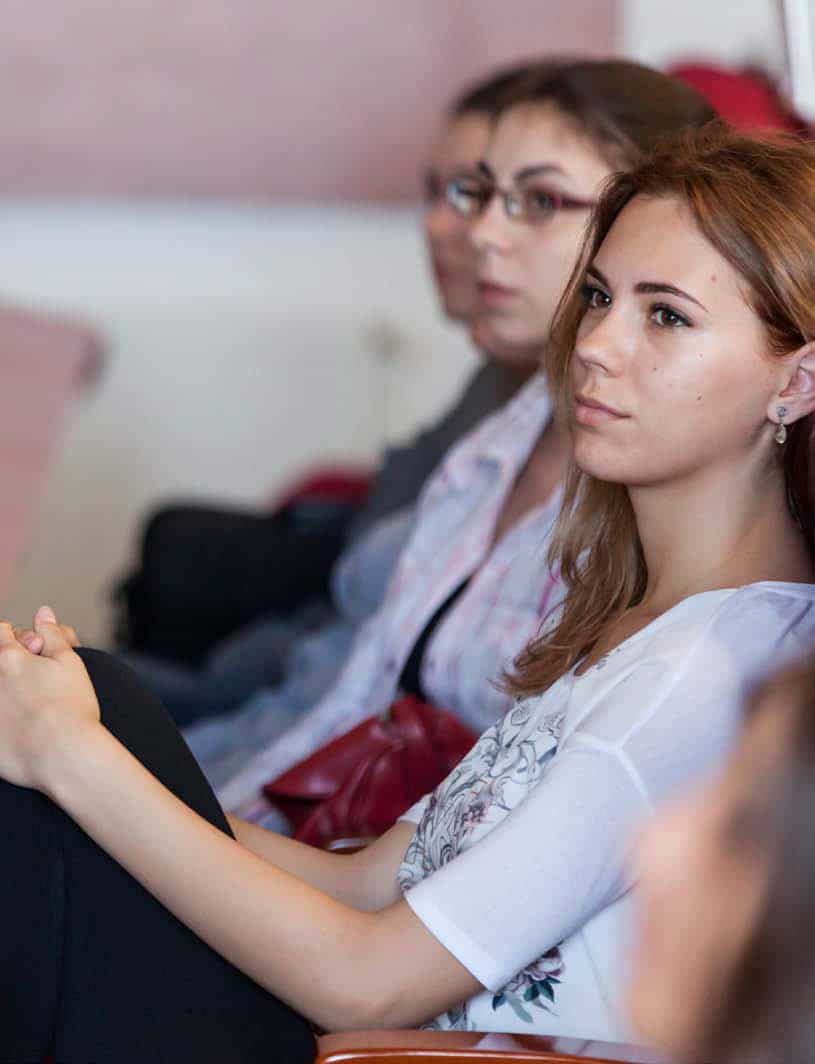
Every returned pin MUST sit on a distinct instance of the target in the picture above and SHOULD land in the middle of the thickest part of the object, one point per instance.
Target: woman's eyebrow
(534, 170)
(598, 275)
(655, 287)
(649, 287)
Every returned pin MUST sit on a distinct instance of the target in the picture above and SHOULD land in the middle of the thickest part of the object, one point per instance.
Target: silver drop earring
(781, 431)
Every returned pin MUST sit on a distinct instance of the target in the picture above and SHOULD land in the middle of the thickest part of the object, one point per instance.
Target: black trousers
(226, 568)
(92, 967)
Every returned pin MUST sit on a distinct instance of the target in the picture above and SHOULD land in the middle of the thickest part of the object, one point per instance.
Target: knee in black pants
(95, 969)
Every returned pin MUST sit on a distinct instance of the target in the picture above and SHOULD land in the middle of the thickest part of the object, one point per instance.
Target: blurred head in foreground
(725, 967)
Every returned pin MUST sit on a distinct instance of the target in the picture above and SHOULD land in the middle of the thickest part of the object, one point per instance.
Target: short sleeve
(416, 811)
(654, 720)
(528, 885)
(674, 714)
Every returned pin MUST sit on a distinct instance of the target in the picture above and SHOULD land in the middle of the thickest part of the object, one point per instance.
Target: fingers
(47, 637)
(11, 651)
(46, 614)
(55, 643)
(7, 636)
(29, 639)
(71, 637)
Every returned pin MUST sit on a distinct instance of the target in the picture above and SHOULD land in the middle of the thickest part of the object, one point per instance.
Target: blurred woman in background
(472, 585)
(300, 655)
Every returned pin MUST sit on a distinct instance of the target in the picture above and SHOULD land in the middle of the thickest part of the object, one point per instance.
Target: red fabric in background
(746, 98)
(333, 484)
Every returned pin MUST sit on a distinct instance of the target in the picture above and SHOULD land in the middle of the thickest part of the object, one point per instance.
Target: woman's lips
(495, 295)
(592, 412)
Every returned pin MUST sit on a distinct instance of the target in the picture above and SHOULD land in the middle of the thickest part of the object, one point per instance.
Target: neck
(717, 528)
(523, 373)
(519, 371)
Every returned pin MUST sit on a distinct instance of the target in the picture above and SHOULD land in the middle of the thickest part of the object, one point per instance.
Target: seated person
(471, 586)
(727, 884)
(682, 357)
(267, 651)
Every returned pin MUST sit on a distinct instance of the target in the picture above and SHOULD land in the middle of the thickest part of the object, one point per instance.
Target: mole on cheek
(698, 398)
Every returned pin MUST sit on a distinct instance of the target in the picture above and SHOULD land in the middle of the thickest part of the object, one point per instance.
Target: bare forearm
(342, 876)
(310, 950)
(338, 966)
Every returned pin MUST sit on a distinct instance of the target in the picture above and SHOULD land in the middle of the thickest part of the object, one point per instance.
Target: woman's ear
(797, 397)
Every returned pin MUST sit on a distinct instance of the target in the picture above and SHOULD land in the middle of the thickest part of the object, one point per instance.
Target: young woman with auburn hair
(469, 588)
(685, 362)
(724, 185)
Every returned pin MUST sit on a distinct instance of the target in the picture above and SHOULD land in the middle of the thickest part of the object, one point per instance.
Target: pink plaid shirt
(510, 590)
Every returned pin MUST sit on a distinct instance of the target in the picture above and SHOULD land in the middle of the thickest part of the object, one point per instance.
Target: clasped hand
(47, 700)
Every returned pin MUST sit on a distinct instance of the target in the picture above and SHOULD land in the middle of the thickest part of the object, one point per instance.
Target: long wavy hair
(754, 201)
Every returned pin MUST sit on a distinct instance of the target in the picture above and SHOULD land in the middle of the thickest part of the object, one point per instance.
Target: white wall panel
(726, 31)
(244, 346)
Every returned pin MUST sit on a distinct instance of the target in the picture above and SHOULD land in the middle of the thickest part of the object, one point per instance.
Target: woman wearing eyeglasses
(296, 659)
(127, 898)
(472, 585)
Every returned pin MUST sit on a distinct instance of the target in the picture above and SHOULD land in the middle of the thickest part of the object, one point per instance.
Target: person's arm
(365, 880)
(340, 967)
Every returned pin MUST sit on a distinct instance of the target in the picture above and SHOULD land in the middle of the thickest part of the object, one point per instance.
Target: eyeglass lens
(471, 197)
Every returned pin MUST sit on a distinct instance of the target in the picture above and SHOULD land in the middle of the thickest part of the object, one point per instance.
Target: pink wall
(259, 99)
(44, 358)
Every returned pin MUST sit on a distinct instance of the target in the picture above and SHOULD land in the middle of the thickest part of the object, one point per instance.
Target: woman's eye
(667, 318)
(539, 202)
(595, 297)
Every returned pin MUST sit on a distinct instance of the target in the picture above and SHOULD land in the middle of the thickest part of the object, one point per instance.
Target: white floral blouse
(519, 861)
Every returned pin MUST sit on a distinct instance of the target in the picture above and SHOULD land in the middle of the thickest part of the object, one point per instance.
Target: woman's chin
(507, 341)
(593, 458)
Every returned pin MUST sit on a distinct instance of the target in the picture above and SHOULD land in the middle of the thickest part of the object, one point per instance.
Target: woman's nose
(600, 343)
(491, 230)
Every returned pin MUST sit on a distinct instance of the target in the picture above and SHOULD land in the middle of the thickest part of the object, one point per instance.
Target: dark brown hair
(754, 201)
(622, 107)
(767, 1015)
(486, 97)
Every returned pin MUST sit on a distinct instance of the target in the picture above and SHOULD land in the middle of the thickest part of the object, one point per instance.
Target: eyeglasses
(434, 187)
(471, 196)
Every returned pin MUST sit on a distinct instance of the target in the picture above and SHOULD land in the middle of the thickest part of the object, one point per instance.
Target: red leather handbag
(361, 783)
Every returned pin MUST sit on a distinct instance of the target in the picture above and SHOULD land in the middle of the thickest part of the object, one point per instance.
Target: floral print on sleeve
(508, 761)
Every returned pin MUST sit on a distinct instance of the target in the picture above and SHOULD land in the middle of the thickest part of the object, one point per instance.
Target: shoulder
(761, 623)
(498, 432)
(696, 662)
(739, 624)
